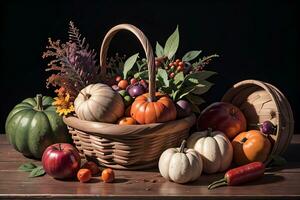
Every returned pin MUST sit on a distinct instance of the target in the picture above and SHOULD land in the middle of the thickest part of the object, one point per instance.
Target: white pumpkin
(180, 165)
(99, 102)
(215, 149)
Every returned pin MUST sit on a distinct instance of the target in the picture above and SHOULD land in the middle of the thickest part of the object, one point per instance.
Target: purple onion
(135, 90)
(267, 127)
(183, 108)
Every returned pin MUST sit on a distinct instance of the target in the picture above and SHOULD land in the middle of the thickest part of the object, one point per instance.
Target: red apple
(223, 117)
(61, 161)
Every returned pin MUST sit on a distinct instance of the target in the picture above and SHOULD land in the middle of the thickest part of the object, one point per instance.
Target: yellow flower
(63, 104)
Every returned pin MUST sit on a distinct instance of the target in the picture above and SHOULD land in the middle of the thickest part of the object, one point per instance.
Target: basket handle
(147, 48)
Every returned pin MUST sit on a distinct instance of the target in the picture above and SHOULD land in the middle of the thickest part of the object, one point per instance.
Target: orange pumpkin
(127, 121)
(145, 111)
(250, 146)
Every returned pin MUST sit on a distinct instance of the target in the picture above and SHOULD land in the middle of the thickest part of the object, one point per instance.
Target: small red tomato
(108, 175)
(171, 64)
(177, 60)
(84, 175)
(123, 84)
(133, 81)
(118, 78)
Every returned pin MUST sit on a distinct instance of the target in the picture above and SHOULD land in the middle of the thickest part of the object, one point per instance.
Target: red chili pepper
(240, 175)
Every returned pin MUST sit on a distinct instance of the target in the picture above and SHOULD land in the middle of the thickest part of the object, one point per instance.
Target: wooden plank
(14, 184)
(273, 186)
(8, 154)
(3, 139)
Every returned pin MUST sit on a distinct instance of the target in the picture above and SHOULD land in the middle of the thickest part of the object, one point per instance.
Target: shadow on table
(267, 179)
(292, 153)
(205, 180)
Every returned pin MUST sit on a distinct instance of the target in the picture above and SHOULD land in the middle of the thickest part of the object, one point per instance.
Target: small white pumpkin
(99, 102)
(180, 165)
(215, 149)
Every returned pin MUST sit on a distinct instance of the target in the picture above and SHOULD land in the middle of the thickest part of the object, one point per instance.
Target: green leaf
(159, 51)
(129, 63)
(143, 75)
(175, 94)
(194, 99)
(178, 78)
(185, 91)
(162, 76)
(192, 81)
(38, 171)
(202, 88)
(200, 75)
(27, 167)
(172, 44)
(190, 56)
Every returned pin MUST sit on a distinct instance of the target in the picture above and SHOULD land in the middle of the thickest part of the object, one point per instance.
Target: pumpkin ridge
(28, 105)
(12, 133)
(12, 113)
(30, 101)
(20, 130)
(38, 142)
(220, 153)
(156, 110)
(190, 159)
(81, 113)
(112, 113)
(90, 110)
(140, 114)
(112, 106)
(120, 103)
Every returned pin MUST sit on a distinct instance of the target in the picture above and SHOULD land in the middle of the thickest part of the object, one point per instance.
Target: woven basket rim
(123, 130)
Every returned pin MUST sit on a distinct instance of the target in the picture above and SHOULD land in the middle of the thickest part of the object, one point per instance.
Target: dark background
(255, 40)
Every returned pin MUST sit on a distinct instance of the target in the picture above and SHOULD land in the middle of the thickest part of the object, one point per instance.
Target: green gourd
(33, 125)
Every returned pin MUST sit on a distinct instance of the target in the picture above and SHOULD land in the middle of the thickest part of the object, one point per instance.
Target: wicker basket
(127, 146)
(260, 101)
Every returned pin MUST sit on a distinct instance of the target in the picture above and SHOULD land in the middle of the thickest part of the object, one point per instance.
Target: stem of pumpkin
(182, 146)
(244, 140)
(209, 130)
(39, 102)
(86, 96)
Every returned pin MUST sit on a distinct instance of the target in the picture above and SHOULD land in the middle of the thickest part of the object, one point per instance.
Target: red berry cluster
(175, 67)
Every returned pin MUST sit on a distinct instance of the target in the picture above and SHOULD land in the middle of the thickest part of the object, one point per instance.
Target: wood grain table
(277, 184)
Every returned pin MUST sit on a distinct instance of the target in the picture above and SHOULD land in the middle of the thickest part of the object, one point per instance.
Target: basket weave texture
(127, 147)
(261, 101)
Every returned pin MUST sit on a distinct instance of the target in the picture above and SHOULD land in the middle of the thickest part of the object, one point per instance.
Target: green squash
(33, 125)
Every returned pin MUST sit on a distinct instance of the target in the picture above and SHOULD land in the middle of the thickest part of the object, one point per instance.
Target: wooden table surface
(14, 184)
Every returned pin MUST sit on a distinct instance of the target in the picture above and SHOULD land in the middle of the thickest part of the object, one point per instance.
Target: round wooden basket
(260, 101)
(127, 146)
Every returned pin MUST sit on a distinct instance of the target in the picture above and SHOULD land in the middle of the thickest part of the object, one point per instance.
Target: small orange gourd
(127, 121)
(250, 146)
(146, 111)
